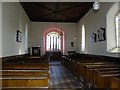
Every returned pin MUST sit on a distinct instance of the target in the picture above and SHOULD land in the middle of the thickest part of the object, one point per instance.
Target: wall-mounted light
(96, 5)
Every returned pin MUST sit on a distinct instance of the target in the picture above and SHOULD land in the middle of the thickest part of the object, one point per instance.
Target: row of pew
(32, 73)
(94, 73)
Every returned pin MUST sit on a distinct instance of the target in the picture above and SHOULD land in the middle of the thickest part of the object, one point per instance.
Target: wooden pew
(24, 72)
(83, 67)
(102, 78)
(24, 66)
(26, 59)
(87, 68)
(37, 60)
(24, 81)
(103, 70)
(76, 66)
(32, 72)
(115, 82)
(25, 78)
(88, 71)
(83, 72)
(73, 67)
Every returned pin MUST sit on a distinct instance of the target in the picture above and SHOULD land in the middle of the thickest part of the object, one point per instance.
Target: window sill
(115, 50)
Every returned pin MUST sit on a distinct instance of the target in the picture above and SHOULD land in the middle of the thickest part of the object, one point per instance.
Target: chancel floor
(62, 78)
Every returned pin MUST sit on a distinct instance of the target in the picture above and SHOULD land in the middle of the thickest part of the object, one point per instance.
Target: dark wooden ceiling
(56, 11)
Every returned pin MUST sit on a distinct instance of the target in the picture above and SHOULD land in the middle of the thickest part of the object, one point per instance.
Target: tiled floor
(61, 78)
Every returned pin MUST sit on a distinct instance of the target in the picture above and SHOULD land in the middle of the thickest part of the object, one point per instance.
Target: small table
(71, 52)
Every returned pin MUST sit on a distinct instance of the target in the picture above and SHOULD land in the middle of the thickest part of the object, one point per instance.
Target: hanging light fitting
(96, 5)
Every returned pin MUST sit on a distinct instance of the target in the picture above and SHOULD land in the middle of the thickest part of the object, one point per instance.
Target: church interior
(59, 45)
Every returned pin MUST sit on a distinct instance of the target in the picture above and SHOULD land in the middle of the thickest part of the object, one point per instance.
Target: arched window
(53, 41)
(117, 20)
(113, 29)
(83, 39)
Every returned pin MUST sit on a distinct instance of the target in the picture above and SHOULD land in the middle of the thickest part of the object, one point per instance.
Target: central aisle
(61, 78)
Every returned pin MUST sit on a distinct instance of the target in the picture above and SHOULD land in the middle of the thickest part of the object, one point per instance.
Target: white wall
(0, 41)
(37, 29)
(94, 21)
(0, 29)
(13, 18)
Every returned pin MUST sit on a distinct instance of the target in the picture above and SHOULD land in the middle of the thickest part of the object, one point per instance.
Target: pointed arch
(59, 46)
